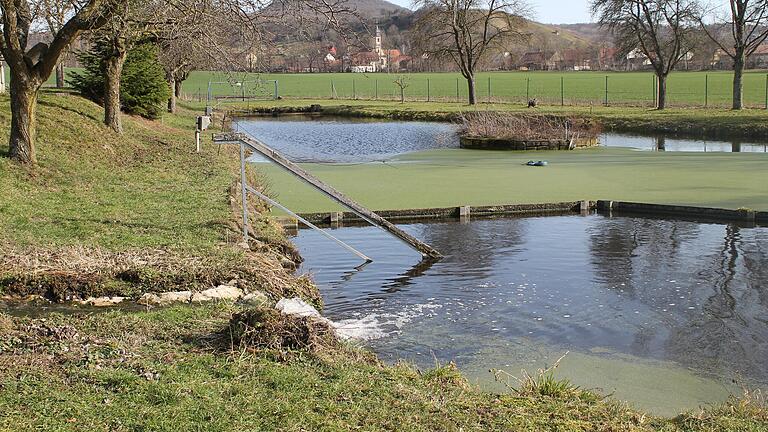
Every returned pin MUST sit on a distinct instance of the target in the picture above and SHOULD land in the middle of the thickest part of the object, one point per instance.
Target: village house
(540, 60)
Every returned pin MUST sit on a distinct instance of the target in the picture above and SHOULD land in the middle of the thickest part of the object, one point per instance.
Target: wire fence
(695, 89)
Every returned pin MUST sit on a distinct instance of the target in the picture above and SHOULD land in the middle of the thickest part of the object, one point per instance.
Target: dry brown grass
(76, 272)
(268, 329)
(524, 127)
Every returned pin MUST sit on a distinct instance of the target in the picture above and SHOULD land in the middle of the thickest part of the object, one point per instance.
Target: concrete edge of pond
(747, 217)
(331, 218)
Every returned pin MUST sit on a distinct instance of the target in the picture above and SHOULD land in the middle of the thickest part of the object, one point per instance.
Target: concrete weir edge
(747, 216)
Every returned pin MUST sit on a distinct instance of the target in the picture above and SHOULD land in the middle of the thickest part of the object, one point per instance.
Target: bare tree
(746, 28)
(465, 31)
(660, 29)
(31, 67)
(55, 13)
(402, 82)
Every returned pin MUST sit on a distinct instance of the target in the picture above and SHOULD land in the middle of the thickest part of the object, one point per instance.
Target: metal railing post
(244, 189)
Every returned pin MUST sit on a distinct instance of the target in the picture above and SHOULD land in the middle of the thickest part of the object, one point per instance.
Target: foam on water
(379, 325)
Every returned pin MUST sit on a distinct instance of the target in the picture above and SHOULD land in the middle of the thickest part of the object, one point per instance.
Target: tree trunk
(738, 81)
(23, 103)
(177, 87)
(471, 90)
(112, 91)
(662, 102)
(173, 95)
(60, 75)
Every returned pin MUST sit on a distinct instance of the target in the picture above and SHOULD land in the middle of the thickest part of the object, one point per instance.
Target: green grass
(174, 369)
(453, 177)
(147, 188)
(109, 214)
(578, 88)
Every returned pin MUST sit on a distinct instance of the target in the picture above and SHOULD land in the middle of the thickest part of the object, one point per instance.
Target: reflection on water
(324, 139)
(623, 295)
(353, 140)
(663, 143)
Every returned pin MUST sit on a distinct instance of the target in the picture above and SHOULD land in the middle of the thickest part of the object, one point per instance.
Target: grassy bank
(751, 124)
(107, 214)
(179, 369)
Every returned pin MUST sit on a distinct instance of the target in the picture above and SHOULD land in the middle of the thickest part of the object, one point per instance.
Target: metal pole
(706, 91)
(244, 189)
(606, 90)
(458, 98)
(197, 140)
(309, 224)
(527, 89)
(562, 91)
(277, 91)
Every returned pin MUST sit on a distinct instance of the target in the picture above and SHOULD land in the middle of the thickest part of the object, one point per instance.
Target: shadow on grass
(51, 104)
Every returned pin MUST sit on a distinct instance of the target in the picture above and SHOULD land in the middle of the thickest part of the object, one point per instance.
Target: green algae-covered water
(402, 165)
(669, 315)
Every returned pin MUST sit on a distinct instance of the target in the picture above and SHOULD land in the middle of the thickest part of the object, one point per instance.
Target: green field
(578, 88)
(454, 177)
(685, 89)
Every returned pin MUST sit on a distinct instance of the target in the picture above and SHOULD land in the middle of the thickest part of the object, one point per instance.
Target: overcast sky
(549, 11)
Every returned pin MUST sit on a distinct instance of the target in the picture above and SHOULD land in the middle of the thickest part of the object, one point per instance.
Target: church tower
(377, 45)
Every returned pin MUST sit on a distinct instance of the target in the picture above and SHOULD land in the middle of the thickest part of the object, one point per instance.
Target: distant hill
(591, 32)
(377, 8)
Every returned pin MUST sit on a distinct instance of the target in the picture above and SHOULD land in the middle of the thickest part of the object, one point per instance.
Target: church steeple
(377, 45)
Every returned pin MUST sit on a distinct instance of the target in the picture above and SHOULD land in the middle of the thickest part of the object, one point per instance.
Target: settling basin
(668, 315)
